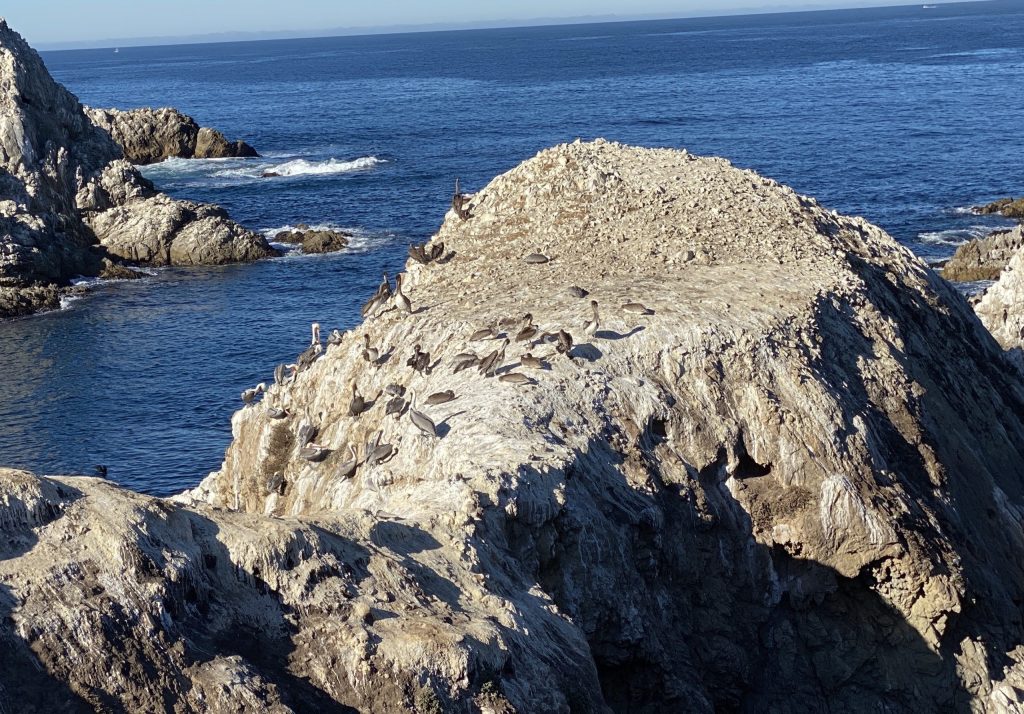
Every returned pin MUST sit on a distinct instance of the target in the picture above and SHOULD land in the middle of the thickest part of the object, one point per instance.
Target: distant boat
(116, 50)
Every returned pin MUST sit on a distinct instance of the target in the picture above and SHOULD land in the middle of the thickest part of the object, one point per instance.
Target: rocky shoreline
(769, 471)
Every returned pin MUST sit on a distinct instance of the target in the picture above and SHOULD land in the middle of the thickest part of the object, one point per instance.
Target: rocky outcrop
(1007, 207)
(66, 194)
(150, 135)
(790, 481)
(984, 258)
(1001, 308)
(314, 240)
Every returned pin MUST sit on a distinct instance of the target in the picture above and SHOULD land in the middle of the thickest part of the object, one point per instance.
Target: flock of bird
(520, 330)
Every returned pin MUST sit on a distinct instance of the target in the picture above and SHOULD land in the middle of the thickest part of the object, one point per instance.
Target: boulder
(984, 258)
(1001, 308)
(774, 475)
(314, 240)
(1008, 207)
(150, 135)
(66, 193)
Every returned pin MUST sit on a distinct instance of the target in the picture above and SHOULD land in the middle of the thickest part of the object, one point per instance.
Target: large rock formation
(1001, 308)
(984, 258)
(65, 192)
(1008, 207)
(150, 135)
(796, 485)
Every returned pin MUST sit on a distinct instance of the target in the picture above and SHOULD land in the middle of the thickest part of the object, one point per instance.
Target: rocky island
(70, 203)
(650, 433)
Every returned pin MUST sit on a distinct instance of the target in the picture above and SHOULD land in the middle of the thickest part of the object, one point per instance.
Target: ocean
(907, 116)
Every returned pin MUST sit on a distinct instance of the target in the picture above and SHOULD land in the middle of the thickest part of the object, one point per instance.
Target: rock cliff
(1001, 308)
(984, 258)
(68, 198)
(782, 471)
(150, 135)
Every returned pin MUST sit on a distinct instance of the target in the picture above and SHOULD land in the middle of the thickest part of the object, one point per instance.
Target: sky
(61, 23)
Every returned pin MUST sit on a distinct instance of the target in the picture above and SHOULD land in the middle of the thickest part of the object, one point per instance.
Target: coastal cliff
(1001, 308)
(68, 199)
(147, 135)
(781, 471)
(984, 258)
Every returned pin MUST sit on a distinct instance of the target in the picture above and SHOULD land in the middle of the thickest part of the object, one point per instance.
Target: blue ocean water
(903, 115)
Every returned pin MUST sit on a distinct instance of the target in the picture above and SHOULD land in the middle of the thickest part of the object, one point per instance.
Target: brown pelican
(441, 397)
(336, 337)
(313, 452)
(348, 468)
(436, 251)
(536, 259)
(378, 298)
(370, 354)
(395, 390)
(311, 353)
(420, 360)
(276, 412)
(419, 419)
(515, 378)
(637, 308)
(577, 292)
(416, 253)
(279, 374)
(250, 394)
(592, 325)
(516, 323)
(464, 361)
(377, 452)
(401, 299)
(306, 433)
(528, 332)
(459, 203)
(485, 333)
(396, 406)
(528, 360)
(489, 363)
(564, 342)
(358, 405)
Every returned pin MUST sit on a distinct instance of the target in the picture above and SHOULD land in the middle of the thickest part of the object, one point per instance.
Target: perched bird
(527, 333)
(441, 397)
(536, 259)
(347, 468)
(249, 395)
(460, 203)
(516, 323)
(416, 253)
(436, 251)
(401, 299)
(336, 337)
(395, 390)
(563, 342)
(419, 419)
(276, 412)
(311, 353)
(306, 433)
(279, 374)
(380, 297)
(593, 324)
(420, 360)
(370, 354)
(489, 363)
(515, 378)
(528, 360)
(577, 292)
(313, 452)
(377, 452)
(357, 405)
(100, 470)
(396, 406)
(464, 361)
(484, 333)
(637, 308)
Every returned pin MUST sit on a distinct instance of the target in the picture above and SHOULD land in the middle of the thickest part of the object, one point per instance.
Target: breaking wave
(955, 236)
(304, 167)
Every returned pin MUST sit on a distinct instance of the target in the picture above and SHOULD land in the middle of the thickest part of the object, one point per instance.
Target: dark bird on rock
(577, 292)
(249, 395)
(336, 337)
(527, 333)
(536, 259)
(306, 433)
(347, 468)
(370, 354)
(419, 419)
(637, 308)
(357, 405)
(593, 324)
(401, 299)
(528, 360)
(377, 452)
(311, 353)
(563, 342)
(436, 251)
(441, 397)
(484, 333)
(460, 203)
(396, 406)
(395, 390)
(276, 412)
(416, 253)
(378, 298)
(420, 360)
(100, 470)
(313, 452)
(489, 363)
(515, 378)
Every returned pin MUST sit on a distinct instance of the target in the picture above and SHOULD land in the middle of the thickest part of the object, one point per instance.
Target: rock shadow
(407, 540)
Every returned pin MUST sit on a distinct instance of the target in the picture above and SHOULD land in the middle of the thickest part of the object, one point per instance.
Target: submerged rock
(60, 177)
(782, 488)
(150, 135)
(315, 240)
(984, 258)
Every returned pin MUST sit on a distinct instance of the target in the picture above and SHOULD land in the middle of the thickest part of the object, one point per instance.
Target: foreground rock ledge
(797, 486)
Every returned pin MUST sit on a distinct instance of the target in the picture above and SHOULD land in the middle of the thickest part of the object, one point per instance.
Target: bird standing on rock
(528, 360)
(378, 298)
(357, 405)
(401, 299)
(420, 360)
(370, 354)
(592, 325)
(637, 308)
(311, 353)
(419, 419)
(250, 394)
(348, 468)
(489, 363)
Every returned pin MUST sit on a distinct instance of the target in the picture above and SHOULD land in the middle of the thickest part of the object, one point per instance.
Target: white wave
(302, 167)
(954, 236)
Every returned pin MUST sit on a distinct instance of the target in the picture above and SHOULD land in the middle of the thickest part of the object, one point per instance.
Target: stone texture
(61, 177)
(796, 486)
(314, 240)
(150, 135)
(1001, 308)
(1008, 207)
(984, 258)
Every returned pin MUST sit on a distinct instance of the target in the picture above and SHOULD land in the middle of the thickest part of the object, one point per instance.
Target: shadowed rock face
(984, 258)
(150, 135)
(60, 177)
(795, 484)
(1001, 308)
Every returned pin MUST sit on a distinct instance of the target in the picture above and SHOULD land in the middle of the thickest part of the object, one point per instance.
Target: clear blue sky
(52, 22)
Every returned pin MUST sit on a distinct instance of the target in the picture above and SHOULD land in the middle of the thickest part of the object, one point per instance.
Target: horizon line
(228, 36)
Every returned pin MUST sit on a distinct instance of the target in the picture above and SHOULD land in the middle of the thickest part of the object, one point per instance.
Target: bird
(489, 363)
(577, 291)
(313, 452)
(459, 201)
(592, 325)
(536, 259)
(516, 323)
(528, 332)
(528, 360)
(395, 390)
(419, 419)
(420, 360)
(564, 342)
(358, 404)
(395, 405)
(100, 470)
(515, 378)
(484, 333)
(370, 354)
(378, 298)
(464, 361)
(276, 412)
(377, 452)
(436, 251)
(249, 395)
(347, 468)
(306, 433)
(441, 397)
(416, 253)
(279, 374)
(401, 299)
(336, 337)
(311, 353)
(637, 308)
